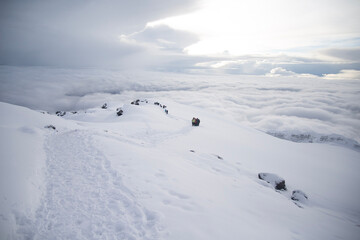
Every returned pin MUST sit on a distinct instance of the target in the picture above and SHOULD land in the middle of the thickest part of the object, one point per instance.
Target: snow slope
(149, 175)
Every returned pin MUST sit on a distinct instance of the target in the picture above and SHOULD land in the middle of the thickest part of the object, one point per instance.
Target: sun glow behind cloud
(219, 36)
(260, 27)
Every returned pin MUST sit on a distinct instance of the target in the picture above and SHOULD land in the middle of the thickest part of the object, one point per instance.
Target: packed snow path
(85, 198)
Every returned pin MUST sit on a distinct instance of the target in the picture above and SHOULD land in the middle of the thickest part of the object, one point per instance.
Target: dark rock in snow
(136, 102)
(219, 157)
(60, 113)
(119, 112)
(299, 196)
(274, 180)
(50, 127)
(156, 103)
(104, 106)
(192, 151)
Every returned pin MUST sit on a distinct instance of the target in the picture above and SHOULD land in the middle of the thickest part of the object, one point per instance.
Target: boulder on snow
(119, 112)
(277, 182)
(136, 102)
(104, 106)
(60, 113)
(299, 196)
(50, 127)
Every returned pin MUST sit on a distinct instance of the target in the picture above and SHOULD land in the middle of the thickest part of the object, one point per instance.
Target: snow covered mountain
(151, 175)
(318, 138)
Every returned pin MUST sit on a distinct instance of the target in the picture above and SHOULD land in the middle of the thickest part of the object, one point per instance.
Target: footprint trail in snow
(85, 198)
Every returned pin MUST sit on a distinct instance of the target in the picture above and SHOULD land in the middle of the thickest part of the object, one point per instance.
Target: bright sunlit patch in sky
(261, 26)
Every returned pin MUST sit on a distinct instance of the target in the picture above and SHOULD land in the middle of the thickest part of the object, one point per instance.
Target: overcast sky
(278, 37)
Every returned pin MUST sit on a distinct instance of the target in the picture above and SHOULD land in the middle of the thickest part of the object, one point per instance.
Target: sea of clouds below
(271, 104)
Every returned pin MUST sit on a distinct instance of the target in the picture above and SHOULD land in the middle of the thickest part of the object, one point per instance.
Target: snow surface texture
(283, 106)
(151, 175)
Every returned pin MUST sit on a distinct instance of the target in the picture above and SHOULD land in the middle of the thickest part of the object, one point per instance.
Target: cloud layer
(277, 104)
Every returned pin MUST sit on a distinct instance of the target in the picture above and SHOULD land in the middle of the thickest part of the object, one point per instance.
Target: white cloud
(303, 112)
(346, 74)
(279, 71)
(275, 104)
(274, 65)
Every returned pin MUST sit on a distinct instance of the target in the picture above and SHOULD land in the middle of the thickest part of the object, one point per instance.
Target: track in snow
(85, 198)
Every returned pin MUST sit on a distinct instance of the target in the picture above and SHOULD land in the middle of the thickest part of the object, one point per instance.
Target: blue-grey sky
(239, 37)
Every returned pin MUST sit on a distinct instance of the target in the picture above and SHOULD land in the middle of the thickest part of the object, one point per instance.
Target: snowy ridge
(151, 175)
(333, 139)
(276, 104)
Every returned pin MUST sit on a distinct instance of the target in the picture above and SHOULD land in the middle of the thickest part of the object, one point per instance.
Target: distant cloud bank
(344, 74)
(271, 104)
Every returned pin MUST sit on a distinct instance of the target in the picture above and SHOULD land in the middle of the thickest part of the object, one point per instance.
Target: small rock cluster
(60, 113)
(137, 102)
(119, 111)
(63, 113)
(279, 184)
(162, 106)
